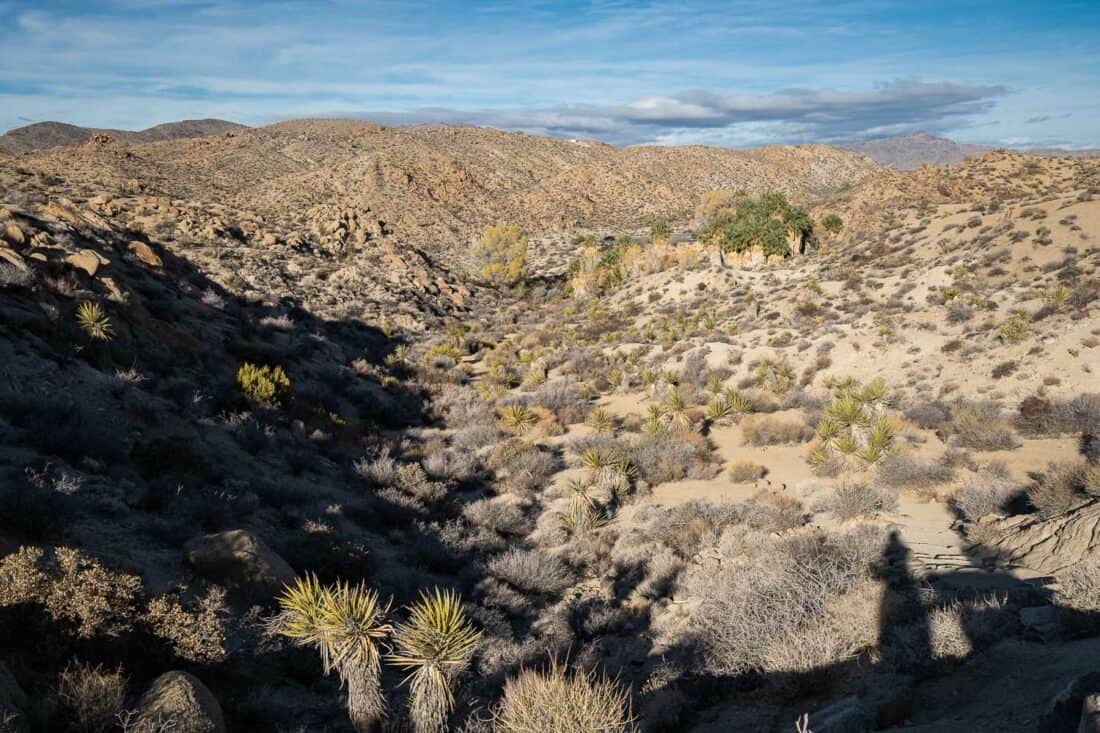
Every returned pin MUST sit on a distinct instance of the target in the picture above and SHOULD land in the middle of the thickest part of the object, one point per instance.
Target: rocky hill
(438, 186)
(45, 135)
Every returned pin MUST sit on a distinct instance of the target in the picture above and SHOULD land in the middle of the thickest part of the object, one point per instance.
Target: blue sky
(721, 73)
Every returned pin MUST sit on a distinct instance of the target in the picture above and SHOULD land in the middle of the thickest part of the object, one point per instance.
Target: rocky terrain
(45, 135)
(677, 483)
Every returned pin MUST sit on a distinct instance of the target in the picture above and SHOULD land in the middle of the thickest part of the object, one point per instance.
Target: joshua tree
(434, 647)
(346, 624)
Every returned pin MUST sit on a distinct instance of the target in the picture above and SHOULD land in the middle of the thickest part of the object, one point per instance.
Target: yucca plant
(347, 625)
(848, 413)
(828, 429)
(880, 441)
(739, 403)
(580, 519)
(518, 418)
(601, 420)
(95, 322)
(434, 647)
(718, 409)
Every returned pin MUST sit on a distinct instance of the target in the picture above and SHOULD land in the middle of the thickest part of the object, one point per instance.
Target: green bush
(765, 221)
(832, 224)
(264, 385)
(501, 255)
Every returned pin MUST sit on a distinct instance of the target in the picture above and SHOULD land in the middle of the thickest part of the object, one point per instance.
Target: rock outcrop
(1051, 544)
(179, 700)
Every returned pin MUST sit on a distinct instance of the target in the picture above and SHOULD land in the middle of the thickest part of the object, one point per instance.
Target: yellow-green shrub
(265, 385)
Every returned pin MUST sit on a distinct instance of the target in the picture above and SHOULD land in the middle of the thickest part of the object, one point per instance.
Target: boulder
(12, 259)
(183, 700)
(144, 254)
(1052, 544)
(849, 715)
(238, 557)
(88, 260)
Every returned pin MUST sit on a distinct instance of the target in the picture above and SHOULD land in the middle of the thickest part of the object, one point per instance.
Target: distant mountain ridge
(45, 135)
(908, 152)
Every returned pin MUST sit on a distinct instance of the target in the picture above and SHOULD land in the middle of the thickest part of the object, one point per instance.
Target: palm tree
(434, 647)
(347, 625)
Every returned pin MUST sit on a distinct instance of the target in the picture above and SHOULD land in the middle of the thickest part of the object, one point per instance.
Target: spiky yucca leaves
(776, 374)
(718, 409)
(95, 322)
(601, 420)
(880, 442)
(656, 420)
(738, 402)
(518, 418)
(434, 647)
(347, 625)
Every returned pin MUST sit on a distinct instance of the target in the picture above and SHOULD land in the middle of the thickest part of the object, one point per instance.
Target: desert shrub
(12, 277)
(745, 471)
(764, 614)
(72, 430)
(73, 588)
(476, 436)
(987, 491)
(498, 515)
(531, 571)
(672, 457)
(1062, 485)
(264, 385)
(771, 511)
(929, 415)
(768, 221)
(565, 398)
(523, 466)
(832, 223)
(687, 527)
(450, 464)
(906, 471)
(501, 255)
(555, 701)
(92, 696)
(1038, 416)
(380, 469)
(980, 426)
(767, 430)
(854, 500)
(197, 630)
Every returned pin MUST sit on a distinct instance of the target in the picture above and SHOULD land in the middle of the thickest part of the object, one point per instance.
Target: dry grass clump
(565, 398)
(980, 426)
(557, 701)
(745, 471)
(1062, 485)
(985, 492)
(531, 571)
(768, 430)
(856, 500)
(92, 696)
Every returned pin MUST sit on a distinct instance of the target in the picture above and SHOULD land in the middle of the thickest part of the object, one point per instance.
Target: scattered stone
(849, 715)
(183, 700)
(145, 254)
(13, 259)
(239, 557)
(1043, 620)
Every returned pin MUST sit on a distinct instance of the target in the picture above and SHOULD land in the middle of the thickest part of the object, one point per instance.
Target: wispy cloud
(730, 72)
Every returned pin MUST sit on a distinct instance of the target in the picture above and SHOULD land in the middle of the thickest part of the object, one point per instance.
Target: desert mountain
(44, 135)
(907, 152)
(436, 186)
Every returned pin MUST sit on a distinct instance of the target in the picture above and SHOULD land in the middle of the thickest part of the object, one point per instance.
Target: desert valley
(331, 426)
